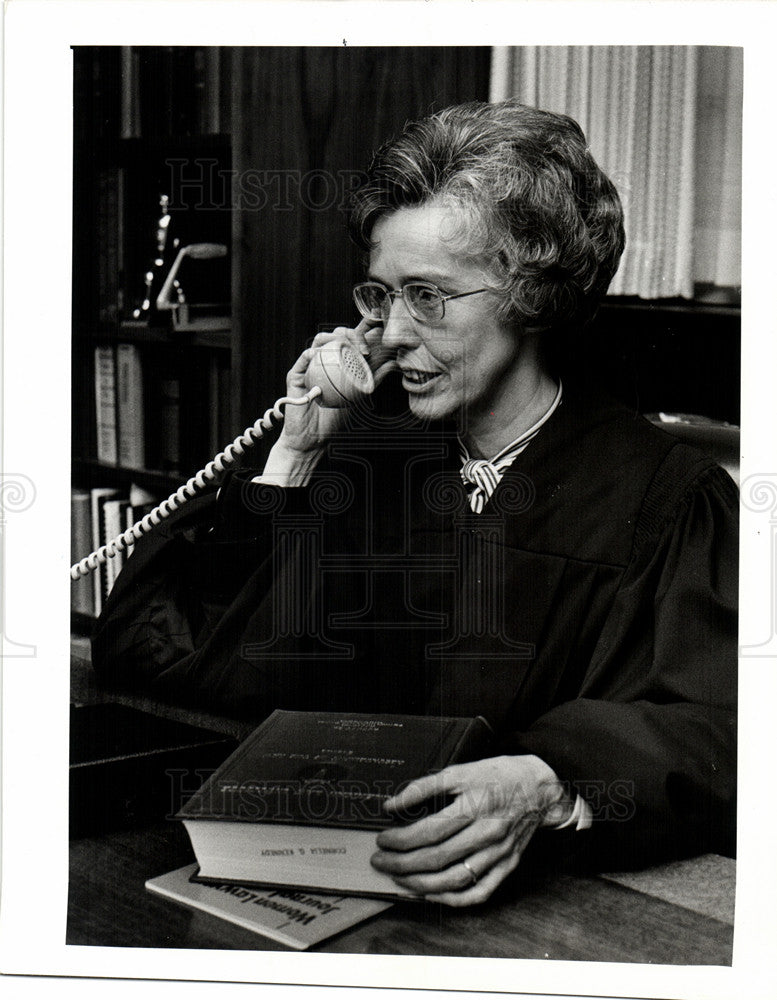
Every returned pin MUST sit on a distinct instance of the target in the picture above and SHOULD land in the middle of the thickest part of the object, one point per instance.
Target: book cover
(296, 919)
(300, 802)
(130, 405)
(105, 404)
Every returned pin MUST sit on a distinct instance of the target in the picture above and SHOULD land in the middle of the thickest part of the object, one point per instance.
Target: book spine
(81, 590)
(114, 515)
(111, 529)
(105, 403)
(99, 498)
(123, 507)
(170, 423)
(211, 122)
(130, 97)
(108, 230)
(131, 431)
(133, 514)
(129, 520)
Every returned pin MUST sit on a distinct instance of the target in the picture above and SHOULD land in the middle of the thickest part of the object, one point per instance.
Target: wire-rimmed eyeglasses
(423, 300)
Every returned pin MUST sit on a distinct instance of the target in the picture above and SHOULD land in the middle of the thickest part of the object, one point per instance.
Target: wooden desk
(681, 913)
(562, 917)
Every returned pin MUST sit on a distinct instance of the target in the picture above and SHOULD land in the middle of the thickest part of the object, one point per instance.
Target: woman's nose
(399, 329)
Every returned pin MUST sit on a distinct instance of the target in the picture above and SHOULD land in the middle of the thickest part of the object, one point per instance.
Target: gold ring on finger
(472, 872)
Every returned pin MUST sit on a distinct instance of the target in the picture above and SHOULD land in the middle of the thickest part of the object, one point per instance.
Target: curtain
(664, 122)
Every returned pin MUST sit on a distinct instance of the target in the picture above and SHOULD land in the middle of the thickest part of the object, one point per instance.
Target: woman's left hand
(498, 804)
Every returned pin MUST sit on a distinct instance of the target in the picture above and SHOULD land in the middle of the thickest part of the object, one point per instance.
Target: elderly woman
(513, 547)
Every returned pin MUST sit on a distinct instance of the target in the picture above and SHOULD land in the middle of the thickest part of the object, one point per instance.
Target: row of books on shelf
(97, 516)
(142, 406)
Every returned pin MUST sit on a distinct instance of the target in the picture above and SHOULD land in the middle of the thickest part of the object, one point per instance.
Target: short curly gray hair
(531, 202)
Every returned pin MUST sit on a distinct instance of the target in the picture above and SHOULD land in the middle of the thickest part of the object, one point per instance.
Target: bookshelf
(152, 388)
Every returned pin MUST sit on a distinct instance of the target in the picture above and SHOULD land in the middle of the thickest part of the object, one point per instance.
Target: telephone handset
(337, 375)
(343, 373)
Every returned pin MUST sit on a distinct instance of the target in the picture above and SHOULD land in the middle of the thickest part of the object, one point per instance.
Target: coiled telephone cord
(211, 474)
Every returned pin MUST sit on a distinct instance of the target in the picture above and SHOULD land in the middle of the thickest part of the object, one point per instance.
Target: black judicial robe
(589, 612)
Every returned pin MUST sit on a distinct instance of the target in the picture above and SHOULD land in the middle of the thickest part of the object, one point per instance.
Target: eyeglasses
(424, 301)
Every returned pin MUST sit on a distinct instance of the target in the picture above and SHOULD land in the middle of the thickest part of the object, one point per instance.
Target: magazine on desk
(296, 919)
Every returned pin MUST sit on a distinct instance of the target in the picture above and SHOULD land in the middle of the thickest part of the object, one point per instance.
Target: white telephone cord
(211, 474)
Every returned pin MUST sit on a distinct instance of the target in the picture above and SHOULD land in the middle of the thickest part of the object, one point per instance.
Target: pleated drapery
(664, 122)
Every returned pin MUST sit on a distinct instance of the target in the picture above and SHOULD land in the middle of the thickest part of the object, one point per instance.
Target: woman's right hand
(306, 429)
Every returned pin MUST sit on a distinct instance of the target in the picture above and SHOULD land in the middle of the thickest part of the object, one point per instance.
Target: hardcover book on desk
(300, 802)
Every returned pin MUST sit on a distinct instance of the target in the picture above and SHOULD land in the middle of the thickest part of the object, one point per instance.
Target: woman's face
(466, 366)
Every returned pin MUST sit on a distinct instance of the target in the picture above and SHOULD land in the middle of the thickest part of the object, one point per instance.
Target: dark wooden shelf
(217, 336)
(695, 307)
(138, 149)
(98, 473)
(82, 624)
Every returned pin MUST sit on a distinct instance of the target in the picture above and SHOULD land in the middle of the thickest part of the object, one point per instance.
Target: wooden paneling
(309, 119)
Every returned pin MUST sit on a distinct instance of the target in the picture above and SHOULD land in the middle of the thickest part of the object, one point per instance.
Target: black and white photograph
(413, 622)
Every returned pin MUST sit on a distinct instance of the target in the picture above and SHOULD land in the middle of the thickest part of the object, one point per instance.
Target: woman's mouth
(414, 378)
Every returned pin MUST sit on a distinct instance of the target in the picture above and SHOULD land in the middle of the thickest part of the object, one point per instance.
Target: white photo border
(36, 450)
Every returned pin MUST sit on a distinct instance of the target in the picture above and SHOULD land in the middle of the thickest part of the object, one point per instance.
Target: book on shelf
(96, 517)
(141, 502)
(130, 407)
(105, 404)
(140, 409)
(100, 497)
(110, 241)
(114, 515)
(169, 411)
(81, 590)
(297, 919)
(300, 802)
(172, 91)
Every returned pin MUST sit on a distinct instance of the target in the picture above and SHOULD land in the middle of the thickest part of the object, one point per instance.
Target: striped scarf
(481, 476)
